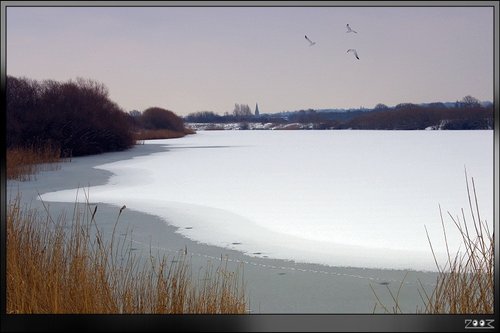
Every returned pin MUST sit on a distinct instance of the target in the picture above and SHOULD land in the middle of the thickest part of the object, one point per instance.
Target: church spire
(257, 109)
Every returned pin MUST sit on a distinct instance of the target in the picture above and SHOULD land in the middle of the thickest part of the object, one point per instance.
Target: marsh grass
(23, 163)
(153, 134)
(55, 266)
(465, 282)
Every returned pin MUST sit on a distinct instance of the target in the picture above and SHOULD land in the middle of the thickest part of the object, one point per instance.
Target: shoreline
(272, 286)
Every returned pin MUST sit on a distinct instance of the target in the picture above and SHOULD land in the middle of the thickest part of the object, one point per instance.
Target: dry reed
(53, 267)
(465, 283)
(23, 163)
(155, 134)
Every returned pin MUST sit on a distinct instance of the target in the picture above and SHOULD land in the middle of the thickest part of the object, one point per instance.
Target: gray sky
(189, 59)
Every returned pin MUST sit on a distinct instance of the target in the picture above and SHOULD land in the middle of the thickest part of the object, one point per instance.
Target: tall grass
(56, 267)
(23, 163)
(153, 134)
(465, 282)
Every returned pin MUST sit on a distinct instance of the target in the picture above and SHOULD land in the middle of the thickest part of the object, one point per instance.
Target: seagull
(350, 30)
(311, 43)
(354, 51)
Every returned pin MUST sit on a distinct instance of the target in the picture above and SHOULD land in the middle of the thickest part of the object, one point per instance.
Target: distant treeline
(76, 116)
(416, 117)
(465, 114)
(241, 112)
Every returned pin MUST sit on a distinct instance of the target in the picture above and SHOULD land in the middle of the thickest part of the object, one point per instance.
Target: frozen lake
(338, 198)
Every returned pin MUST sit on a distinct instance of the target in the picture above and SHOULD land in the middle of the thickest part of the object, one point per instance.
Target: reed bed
(55, 266)
(23, 163)
(153, 134)
(465, 282)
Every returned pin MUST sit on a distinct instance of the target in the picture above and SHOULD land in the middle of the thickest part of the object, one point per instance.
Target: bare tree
(470, 102)
(241, 110)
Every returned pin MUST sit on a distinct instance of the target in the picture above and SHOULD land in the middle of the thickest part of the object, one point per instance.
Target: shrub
(158, 118)
(77, 115)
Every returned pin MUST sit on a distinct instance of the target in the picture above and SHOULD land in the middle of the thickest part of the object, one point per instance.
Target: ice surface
(339, 198)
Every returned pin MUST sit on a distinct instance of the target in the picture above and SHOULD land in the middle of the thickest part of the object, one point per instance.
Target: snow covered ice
(339, 198)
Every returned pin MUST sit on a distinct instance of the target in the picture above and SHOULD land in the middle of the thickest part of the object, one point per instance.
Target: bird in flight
(311, 43)
(353, 51)
(350, 30)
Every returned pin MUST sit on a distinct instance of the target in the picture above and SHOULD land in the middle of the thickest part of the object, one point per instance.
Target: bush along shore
(77, 118)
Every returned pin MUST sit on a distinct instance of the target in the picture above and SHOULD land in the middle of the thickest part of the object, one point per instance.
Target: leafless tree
(470, 102)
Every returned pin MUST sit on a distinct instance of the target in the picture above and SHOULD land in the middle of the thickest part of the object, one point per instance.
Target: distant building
(257, 109)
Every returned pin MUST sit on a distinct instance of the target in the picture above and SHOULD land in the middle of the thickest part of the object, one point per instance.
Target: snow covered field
(339, 198)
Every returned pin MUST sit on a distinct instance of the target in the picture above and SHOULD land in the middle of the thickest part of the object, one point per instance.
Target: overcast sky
(189, 59)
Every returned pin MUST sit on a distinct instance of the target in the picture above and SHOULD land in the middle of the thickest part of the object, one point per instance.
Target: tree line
(76, 116)
(467, 113)
(241, 112)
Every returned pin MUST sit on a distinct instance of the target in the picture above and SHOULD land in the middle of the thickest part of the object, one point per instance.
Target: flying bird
(311, 43)
(353, 51)
(350, 30)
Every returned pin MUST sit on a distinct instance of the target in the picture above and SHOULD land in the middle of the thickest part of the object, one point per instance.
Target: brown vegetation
(79, 118)
(157, 123)
(153, 134)
(24, 163)
(465, 284)
(158, 118)
(76, 115)
(56, 268)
